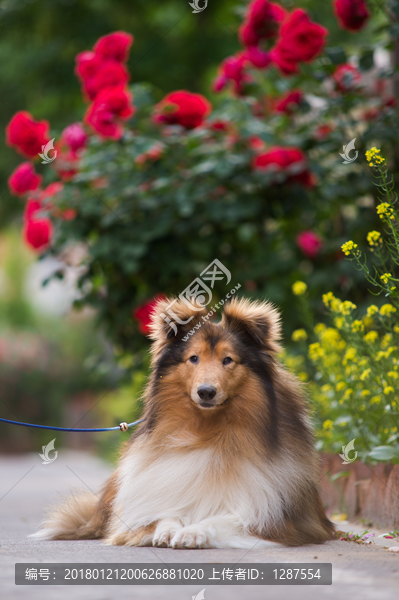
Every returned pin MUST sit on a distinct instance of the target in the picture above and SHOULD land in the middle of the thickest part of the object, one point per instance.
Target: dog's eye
(227, 360)
(193, 359)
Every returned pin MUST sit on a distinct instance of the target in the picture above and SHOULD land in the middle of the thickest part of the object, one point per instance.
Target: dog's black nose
(206, 392)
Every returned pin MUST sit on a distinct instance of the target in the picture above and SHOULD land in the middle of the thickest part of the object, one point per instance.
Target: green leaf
(384, 452)
(337, 55)
(339, 475)
(366, 61)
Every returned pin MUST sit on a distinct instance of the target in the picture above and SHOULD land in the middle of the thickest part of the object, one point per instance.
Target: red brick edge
(366, 491)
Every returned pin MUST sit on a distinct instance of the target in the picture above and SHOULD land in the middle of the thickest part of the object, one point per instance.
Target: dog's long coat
(225, 457)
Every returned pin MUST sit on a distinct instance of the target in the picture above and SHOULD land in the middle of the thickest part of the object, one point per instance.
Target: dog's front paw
(192, 536)
(165, 531)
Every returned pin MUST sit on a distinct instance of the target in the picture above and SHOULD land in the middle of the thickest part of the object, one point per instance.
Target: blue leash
(122, 426)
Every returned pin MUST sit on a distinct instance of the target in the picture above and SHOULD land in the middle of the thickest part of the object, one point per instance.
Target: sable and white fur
(237, 471)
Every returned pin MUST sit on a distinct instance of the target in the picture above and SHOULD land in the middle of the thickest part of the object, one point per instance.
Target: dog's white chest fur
(192, 486)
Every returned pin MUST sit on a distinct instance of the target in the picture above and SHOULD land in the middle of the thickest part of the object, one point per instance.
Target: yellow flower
(298, 335)
(375, 400)
(380, 355)
(365, 393)
(330, 336)
(328, 424)
(336, 305)
(319, 327)
(386, 340)
(396, 328)
(347, 307)
(386, 310)
(299, 288)
(327, 388)
(374, 238)
(393, 374)
(348, 393)
(341, 385)
(349, 247)
(385, 210)
(357, 326)
(385, 277)
(372, 310)
(328, 298)
(339, 322)
(315, 351)
(388, 390)
(365, 374)
(370, 337)
(374, 155)
(350, 354)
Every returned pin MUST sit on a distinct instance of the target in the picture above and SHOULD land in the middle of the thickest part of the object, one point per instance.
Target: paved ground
(26, 485)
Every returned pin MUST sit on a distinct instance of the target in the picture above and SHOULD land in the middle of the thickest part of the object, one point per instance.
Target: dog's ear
(258, 320)
(173, 318)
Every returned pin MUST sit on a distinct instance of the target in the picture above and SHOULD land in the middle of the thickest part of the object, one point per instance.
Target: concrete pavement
(26, 486)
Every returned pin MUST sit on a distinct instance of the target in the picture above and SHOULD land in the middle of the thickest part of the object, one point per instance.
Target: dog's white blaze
(196, 485)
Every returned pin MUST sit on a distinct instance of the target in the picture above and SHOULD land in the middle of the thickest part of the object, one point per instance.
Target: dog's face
(212, 370)
(210, 367)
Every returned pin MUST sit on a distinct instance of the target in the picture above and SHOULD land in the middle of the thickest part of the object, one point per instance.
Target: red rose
(24, 179)
(31, 207)
(232, 69)
(261, 22)
(114, 45)
(322, 132)
(256, 143)
(74, 136)
(258, 58)
(104, 121)
(299, 40)
(38, 233)
(346, 78)
(109, 74)
(108, 109)
(153, 154)
(87, 64)
(309, 243)
(143, 313)
(351, 14)
(289, 102)
(284, 160)
(118, 100)
(182, 108)
(219, 125)
(26, 134)
(370, 114)
(51, 190)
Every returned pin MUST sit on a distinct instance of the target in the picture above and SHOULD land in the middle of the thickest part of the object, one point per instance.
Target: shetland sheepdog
(225, 457)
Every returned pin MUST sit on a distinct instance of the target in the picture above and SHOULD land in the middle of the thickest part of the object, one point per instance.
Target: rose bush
(156, 188)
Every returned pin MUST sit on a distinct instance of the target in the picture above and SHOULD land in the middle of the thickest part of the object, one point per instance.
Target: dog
(225, 457)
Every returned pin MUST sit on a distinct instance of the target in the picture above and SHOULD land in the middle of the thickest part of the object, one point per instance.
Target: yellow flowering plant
(353, 368)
